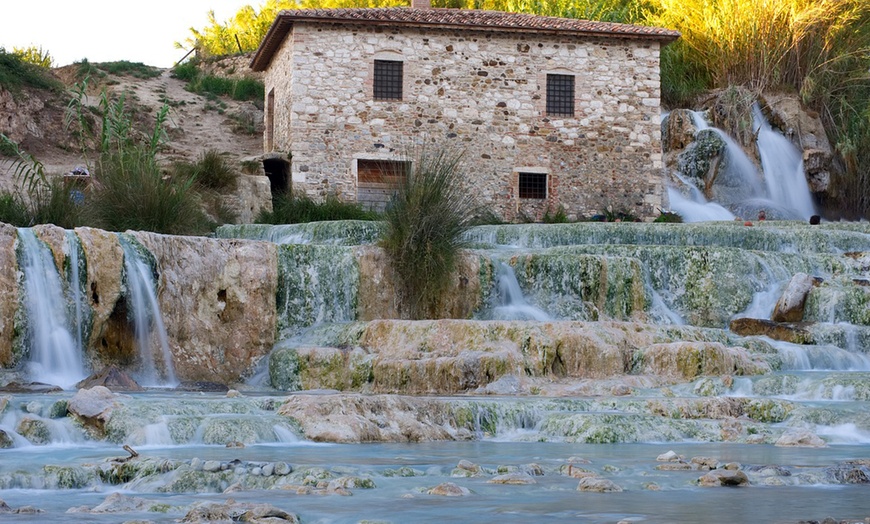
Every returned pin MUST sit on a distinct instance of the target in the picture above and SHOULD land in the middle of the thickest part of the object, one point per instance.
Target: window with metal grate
(388, 80)
(533, 185)
(560, 95)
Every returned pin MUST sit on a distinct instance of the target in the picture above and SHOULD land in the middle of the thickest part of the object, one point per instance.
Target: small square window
(388, 80)
(560, 95)
(533, 185)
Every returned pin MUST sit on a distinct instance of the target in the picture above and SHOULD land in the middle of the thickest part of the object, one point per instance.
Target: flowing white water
(783, 167)
(55, 358)
(75, 289)
(784, 192)
(512, 304)
(147, 322)
(693, 210)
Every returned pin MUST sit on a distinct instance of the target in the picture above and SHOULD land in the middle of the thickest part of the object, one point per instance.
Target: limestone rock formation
(9, 357)
(379, 418)
(803, 438)
(678, 130)
(111, 340)
(5, 440)
(218, 303)
(790, 306)
(377, 297)
(513, 478)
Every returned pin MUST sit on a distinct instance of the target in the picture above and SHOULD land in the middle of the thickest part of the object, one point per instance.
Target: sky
(109, 30)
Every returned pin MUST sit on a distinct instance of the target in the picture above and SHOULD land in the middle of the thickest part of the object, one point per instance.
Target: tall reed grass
(817, 48)
(424, 225)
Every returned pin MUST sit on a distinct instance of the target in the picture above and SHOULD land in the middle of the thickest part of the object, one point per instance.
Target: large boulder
(93, 408)
(790, 306)
(678, 130)
(794, 333)
(723, 477)
(218, 302)
(111, 377)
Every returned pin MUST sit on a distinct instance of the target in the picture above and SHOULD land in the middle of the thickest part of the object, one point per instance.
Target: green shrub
(132, 193)
(134, 69)
(559, 217)
(203, 84)
(13, 211)
(210, 171)
(54, 204)
(186, 71)
(298, 209)
(668, 217)
(424, 225)
(16, 73)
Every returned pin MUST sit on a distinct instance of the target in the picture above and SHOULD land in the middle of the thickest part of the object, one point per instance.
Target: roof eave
(271, 42)
(279, 29)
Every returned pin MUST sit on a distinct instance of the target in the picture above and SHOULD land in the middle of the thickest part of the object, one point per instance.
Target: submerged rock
(5, 440)
(722, 477)
(34, 430)
(30, 387)
(512, 478)
(119, 503)
(378, 418)
(449, 489)
(803, 438)
(598, 485)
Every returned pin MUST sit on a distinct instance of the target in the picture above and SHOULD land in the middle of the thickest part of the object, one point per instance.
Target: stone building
(548, 112)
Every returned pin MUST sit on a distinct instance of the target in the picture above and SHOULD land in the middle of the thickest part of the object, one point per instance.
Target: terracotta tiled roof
(452, 19)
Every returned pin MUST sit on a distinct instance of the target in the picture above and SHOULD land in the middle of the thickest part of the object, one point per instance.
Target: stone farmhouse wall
(485, 92)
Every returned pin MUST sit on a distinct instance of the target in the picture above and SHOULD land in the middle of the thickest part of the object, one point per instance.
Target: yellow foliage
(35, 55)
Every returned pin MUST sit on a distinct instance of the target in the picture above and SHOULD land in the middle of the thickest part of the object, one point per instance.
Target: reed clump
(425, 222)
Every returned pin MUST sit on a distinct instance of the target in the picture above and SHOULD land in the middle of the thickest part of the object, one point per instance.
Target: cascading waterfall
(512, 304)
(75, 289)
(55, 357)
(784, 191)
(783, 167)
(147, 321)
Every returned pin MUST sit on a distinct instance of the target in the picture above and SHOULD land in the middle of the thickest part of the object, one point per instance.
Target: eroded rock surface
(218, 303)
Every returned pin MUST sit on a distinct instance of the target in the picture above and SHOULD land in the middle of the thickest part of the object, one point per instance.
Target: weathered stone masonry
(484, 91)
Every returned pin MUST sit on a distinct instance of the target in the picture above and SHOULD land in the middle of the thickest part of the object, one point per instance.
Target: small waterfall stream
(55, 356)
(147, 321)
(780, 186)
(783, 167)
(511, 304)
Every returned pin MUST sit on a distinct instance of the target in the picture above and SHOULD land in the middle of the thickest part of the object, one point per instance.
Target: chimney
(421, 4)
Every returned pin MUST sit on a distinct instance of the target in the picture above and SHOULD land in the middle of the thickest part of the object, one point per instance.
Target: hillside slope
(34, 118)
